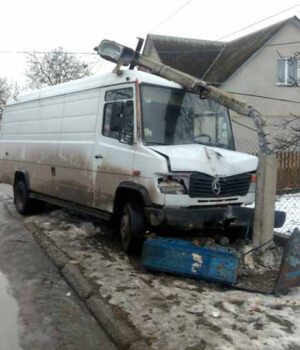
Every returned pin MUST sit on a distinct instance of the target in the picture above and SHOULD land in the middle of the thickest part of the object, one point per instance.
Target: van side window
(112, 119)
(120, 94)
(118, 115)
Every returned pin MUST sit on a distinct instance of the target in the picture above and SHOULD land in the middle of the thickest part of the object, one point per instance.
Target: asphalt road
(38, 309)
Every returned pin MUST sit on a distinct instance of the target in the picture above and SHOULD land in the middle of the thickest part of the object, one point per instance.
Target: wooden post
(265, 195)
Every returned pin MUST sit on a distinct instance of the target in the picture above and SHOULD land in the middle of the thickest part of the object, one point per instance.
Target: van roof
(91, 82)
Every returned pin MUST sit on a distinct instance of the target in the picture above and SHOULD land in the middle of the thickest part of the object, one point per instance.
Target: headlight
(252, 184)
(170, 184)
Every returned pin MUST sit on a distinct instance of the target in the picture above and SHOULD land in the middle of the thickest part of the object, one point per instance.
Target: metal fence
(288, 188)
(288, 182)
(288, 171)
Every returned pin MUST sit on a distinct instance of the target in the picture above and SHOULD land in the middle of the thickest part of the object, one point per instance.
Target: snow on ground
(175, 313)
(290, 203)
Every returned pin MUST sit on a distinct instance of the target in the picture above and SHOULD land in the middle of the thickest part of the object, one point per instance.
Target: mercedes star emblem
(215, 186)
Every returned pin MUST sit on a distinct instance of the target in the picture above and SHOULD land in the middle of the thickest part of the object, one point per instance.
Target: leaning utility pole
(267, 169)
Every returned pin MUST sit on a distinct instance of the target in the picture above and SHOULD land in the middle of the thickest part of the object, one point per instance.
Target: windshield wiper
(220, 145)
(202, 143)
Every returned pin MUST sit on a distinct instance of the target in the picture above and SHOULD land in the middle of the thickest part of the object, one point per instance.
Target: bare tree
(290, 138)
(54, 67)
(6, 91)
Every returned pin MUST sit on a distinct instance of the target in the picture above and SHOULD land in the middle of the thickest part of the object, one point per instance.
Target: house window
(288, 71)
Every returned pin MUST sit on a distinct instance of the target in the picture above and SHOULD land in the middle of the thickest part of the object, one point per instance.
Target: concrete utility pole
(265, 196)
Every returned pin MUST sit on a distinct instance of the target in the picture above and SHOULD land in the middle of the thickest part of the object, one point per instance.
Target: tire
(132, 228)
(24, 204)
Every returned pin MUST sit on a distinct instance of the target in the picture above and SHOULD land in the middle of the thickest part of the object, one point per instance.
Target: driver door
(114, 149)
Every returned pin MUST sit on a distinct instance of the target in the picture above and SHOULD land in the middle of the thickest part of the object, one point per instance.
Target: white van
(134, 147)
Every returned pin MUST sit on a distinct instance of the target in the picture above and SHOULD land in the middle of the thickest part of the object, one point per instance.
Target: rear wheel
(132, 228)
(24, 204)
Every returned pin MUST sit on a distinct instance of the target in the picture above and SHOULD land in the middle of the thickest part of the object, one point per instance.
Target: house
(262, 68)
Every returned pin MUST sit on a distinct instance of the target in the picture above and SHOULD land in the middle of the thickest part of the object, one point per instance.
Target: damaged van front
(186, 170)
(202, 180)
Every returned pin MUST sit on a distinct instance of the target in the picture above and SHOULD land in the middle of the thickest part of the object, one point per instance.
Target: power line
(245, 126)
(159, 51)
(263, 97)
(47, 52)
(260, 21)
(288, 43)
(171, 16)
(213, 62)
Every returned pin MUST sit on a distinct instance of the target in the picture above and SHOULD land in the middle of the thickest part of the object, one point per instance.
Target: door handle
(99, 156)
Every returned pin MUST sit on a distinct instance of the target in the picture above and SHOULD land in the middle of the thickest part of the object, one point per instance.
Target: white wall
(258, 76)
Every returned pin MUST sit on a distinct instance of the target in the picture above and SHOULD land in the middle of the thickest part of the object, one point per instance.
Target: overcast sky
(78, 26)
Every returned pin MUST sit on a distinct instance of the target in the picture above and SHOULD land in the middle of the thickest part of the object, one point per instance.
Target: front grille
(201, 185)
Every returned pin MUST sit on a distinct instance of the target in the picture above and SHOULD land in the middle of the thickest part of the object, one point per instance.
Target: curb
(77, 281)
(120, 331)
(123, 334)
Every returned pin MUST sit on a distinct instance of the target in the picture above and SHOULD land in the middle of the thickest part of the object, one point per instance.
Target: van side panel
(29, 141)
(74, 172)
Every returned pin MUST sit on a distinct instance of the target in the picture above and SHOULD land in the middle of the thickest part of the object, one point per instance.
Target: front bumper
(197, 218)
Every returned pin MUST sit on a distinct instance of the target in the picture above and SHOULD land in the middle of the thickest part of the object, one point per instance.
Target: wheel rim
(125, 229)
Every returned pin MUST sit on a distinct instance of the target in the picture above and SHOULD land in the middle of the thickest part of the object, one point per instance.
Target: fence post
(265, 199)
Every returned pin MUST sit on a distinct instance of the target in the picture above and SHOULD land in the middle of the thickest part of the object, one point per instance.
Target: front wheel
(132, 228)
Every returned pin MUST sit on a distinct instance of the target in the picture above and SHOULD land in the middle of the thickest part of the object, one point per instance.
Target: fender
(138, 188)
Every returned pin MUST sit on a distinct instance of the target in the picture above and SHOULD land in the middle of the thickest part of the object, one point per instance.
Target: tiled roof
(189, 55)
(214, 61)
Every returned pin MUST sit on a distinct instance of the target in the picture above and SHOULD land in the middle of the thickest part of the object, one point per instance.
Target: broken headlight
(252, 184)
(173, 184)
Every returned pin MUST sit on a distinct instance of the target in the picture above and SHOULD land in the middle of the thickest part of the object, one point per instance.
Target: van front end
(204, 181)
(194, 200)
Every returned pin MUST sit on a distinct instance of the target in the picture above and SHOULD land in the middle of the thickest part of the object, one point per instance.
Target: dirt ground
(172, 312)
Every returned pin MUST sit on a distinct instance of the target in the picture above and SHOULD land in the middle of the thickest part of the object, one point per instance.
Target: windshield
(176, 117)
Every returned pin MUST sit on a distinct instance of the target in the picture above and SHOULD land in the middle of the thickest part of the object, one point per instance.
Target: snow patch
(174, 312)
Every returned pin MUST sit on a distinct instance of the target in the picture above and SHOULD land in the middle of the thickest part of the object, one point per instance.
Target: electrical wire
(176, 51)
(260, 21)
(245, 126)
(264, 97)
(158, 51)
(46, 52)
(171, 15)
